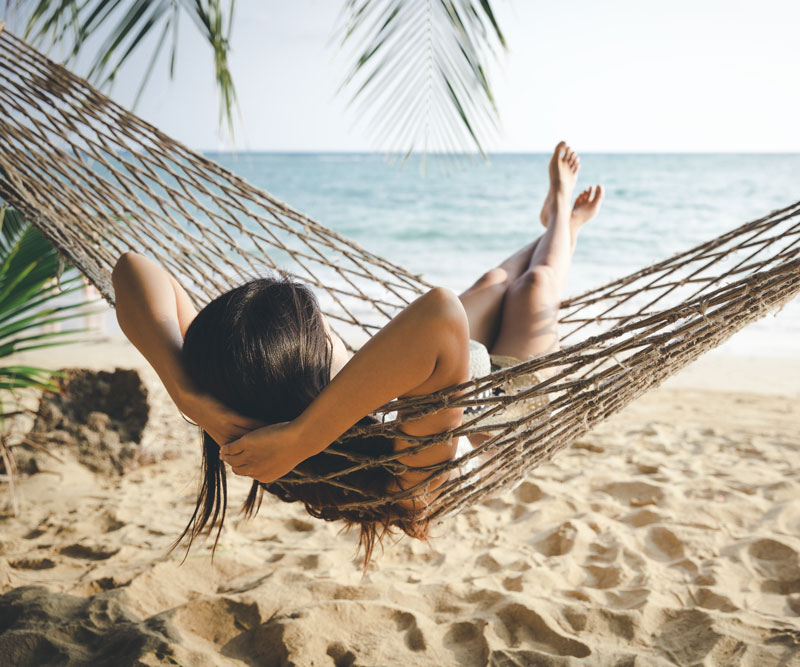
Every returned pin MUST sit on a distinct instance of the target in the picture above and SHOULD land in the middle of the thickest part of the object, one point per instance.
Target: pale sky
(621, 75)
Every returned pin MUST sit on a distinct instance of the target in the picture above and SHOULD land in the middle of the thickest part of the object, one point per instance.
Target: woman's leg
(483, 301)
(529, 314)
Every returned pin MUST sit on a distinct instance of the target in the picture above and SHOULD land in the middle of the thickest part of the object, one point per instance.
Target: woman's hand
(265, 454)
(218, 420)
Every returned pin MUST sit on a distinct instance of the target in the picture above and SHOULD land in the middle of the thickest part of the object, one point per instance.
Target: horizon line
(477, 156)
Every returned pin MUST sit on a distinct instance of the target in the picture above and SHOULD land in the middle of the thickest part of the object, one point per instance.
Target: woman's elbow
(129, 267)
(123, 264)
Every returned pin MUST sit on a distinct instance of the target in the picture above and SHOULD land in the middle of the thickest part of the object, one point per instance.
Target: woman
(271, 385)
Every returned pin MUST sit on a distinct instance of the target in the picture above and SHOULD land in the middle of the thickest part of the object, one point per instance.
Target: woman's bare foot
(563, 170)
(586, 207)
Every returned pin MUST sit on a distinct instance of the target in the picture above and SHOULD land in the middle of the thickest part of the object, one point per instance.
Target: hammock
(98, 181)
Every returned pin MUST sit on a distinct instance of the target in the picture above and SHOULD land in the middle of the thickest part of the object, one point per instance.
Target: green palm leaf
(420, 74)
(30, 299)
(130, 22)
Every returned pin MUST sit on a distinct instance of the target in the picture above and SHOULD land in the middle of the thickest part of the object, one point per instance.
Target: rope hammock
(98, 181)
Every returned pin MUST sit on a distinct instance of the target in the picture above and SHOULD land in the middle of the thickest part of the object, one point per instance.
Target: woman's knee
(538, 279)
(491, 278)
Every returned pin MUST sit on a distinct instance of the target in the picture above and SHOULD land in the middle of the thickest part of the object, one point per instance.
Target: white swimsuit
(464, 447)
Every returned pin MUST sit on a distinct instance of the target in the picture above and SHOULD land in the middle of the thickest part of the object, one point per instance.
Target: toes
(599, 192)
(572, 158)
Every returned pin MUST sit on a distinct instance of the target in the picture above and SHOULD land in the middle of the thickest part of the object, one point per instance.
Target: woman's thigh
(529, 321)
(483, 303)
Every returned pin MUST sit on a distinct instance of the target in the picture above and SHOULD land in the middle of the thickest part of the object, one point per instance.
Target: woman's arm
(154, 312)
(423, 349)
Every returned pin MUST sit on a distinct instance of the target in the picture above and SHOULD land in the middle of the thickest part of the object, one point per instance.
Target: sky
(616, 76)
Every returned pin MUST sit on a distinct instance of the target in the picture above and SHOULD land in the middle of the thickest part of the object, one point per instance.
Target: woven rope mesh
(99, 181)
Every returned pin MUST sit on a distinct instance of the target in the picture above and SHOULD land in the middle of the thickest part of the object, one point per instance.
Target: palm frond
(30, 299)
(129, 23)
(419, 75)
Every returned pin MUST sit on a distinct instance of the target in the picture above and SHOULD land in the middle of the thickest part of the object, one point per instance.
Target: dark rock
(99, 415)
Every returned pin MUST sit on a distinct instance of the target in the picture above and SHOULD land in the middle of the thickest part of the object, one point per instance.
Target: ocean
(460, 218)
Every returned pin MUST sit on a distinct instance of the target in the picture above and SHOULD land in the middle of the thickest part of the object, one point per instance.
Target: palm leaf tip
(129, 23)
(439, 49)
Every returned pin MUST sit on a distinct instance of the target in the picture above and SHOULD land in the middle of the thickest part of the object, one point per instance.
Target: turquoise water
(461, 219)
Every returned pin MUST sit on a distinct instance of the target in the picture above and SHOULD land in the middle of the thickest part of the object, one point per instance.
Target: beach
(668, 535)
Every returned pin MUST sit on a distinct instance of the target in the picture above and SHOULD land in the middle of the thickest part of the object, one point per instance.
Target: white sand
(669, 535)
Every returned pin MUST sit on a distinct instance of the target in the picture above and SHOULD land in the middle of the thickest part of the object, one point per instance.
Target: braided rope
(97, 181)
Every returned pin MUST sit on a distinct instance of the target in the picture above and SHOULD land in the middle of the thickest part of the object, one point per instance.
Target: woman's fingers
(234, 447)
(233, 456)
(236, 461)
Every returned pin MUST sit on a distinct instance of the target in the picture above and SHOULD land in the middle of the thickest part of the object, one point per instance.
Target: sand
(669, 535)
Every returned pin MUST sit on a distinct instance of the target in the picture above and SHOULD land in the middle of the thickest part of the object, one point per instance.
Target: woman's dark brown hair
(262, 349)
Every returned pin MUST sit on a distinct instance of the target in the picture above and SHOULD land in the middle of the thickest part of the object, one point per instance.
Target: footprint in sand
(528, 492)
(636, 494)
(217, 620)
(484, 599)
(468, 643)
(341, 655)
(522, 627)
(686, 636)
(561, 540)
(521, 565)
(777, 563)
(641, 518)
(603, 622)
(32, 564)
(513, 584)
(488, 563)
(310, 562)
(88, 552)
(662, 544)
(299, 526)
(33, 534)
(407, 623)
(708, 599)
(603, 577)
(109, 523)
(688, 566)
(631, 598)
